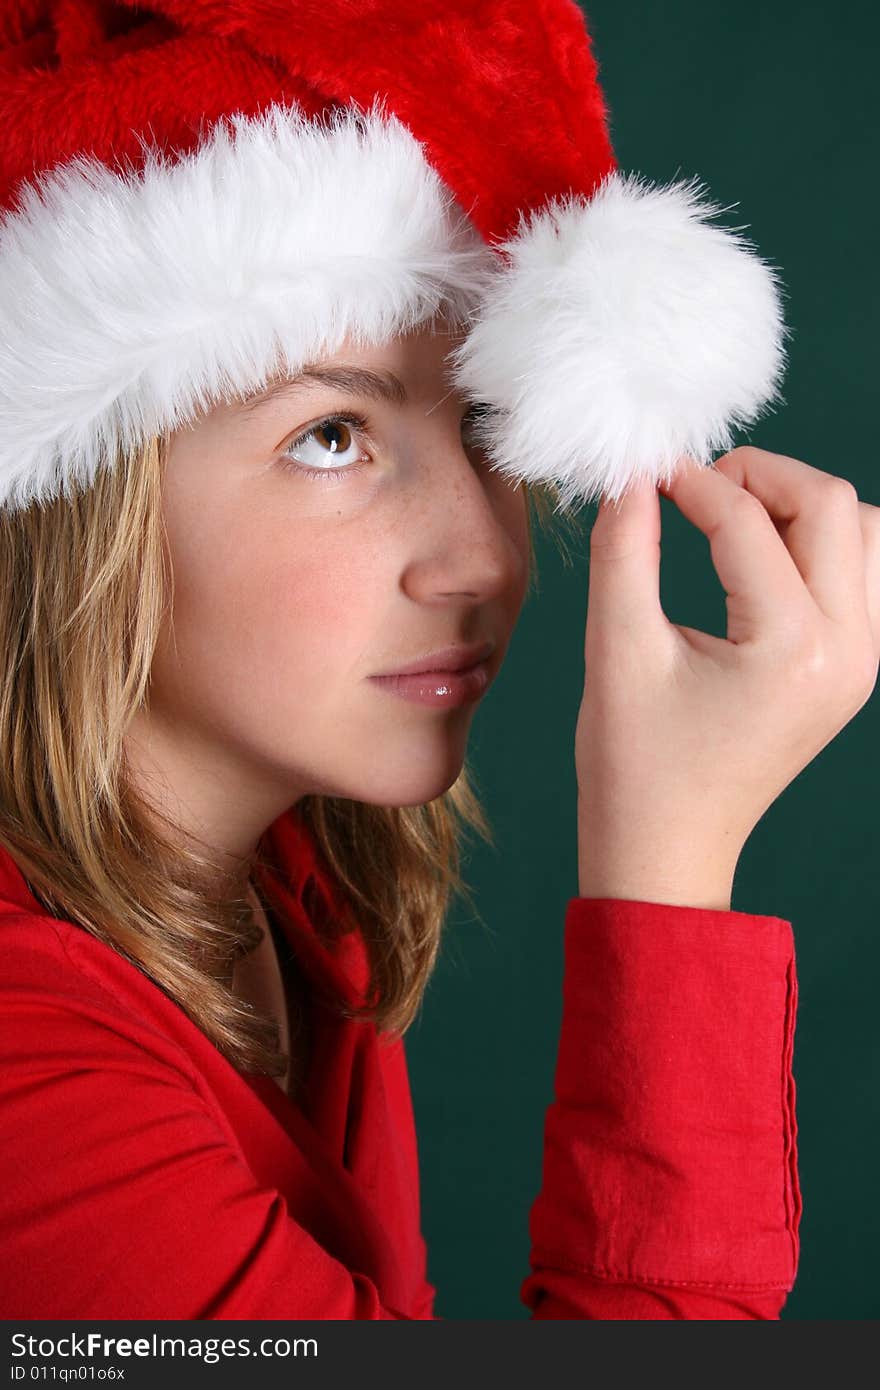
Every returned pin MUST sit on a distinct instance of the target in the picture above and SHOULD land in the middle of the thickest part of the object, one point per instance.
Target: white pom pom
(618, 335)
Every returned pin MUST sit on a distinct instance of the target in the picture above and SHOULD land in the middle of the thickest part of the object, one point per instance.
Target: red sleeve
(669, 1185)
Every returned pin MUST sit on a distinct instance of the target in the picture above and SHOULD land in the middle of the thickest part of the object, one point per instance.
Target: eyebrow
(356, 381)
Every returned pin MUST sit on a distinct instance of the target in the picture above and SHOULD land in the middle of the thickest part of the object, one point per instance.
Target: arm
(670, 1185)
(670, 1162)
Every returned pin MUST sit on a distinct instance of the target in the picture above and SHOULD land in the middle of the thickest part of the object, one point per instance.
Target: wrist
(715, 899)
(657, 876)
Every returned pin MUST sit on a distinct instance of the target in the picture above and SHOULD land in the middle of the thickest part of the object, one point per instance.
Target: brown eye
(337, 436)
(332, 441)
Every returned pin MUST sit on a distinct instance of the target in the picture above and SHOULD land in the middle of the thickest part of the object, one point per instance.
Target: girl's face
(292, 588)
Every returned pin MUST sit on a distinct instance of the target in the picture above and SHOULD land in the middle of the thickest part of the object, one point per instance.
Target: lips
(448, 659)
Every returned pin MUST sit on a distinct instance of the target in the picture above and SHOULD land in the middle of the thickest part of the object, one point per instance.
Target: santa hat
(201, 195)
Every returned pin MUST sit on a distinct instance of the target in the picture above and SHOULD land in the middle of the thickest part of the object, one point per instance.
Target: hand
(684, 740)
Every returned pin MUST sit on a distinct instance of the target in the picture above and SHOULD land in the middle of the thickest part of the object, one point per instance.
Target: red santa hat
(201, 195)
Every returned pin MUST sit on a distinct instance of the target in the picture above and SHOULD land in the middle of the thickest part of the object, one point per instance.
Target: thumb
(624, 587)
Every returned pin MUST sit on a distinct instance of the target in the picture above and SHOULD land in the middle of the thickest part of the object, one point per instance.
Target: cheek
(317, 613)
(259, 611)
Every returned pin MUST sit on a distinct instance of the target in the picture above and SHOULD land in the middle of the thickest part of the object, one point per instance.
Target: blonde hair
(85, 581)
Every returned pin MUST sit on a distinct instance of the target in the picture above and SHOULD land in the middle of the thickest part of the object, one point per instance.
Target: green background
(770, 106)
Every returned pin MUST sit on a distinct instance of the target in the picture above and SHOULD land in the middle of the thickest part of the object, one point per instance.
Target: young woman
(230, 824)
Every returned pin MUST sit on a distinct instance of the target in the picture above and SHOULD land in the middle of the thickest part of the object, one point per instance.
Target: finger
(818, 514)
(625, 559)
(761, 580)
(869, 520)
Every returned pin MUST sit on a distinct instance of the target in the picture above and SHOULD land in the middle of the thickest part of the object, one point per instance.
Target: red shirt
(143, 1176)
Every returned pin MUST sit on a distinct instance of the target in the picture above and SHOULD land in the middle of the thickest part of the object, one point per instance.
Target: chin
(410, 781)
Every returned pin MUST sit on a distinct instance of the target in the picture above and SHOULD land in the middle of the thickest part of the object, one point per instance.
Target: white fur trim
(618, 335)
(128, 302)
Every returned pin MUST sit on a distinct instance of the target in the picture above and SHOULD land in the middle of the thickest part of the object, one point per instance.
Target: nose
(470, 531)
